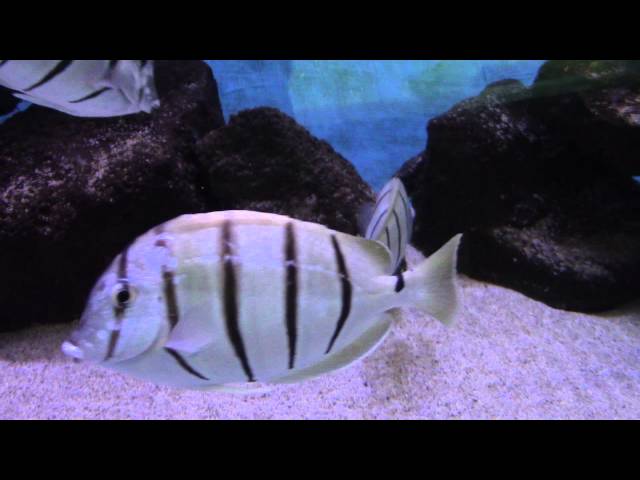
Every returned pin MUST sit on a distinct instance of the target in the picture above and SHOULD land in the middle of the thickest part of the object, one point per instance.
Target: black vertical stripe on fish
(170, 298)
(112, 64)
(60, 67)
(291, 292)
(184, 364)
(378, 221)
(399, 236)
(386, 231)
(113, 339)
(3, 62)
(91, 95)
(230, 294)
(383, 196)
(120, 307)
(399, 281)
(346, 292)
(122, 264)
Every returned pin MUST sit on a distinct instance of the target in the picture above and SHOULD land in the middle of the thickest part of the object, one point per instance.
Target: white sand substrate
(506, 357)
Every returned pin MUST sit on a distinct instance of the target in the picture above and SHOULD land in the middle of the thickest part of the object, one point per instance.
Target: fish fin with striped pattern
(364, 215)
(391, 222)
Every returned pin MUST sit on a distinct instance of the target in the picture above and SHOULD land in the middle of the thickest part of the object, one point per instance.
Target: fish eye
(123, 294)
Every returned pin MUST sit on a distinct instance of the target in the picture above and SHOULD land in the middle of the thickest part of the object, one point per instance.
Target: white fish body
(84, 88)
(230, 297)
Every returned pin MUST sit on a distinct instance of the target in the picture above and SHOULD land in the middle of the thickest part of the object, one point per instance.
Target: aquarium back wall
(373, 112)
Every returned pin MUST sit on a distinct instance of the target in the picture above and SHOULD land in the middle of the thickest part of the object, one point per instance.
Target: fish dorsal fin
(365, 344)
(365, 212)
(392, 221)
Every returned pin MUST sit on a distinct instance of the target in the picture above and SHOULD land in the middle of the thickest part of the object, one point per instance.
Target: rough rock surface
(264, 161)
(539, 181)
(74, 191)
(7, 101)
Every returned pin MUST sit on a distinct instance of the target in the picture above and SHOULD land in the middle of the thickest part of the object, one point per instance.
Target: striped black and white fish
(391, 221)
(84, 88)
(206, 301)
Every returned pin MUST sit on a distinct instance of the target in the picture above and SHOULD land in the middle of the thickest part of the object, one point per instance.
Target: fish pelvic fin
(237, 389)
(431, 286)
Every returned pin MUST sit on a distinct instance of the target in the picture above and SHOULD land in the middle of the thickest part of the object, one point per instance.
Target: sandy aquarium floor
(506, 357)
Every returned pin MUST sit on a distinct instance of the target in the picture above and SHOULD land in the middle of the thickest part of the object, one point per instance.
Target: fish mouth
(72, 350)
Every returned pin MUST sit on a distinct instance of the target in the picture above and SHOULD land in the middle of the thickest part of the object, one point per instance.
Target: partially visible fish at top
(83, 88)
(390, 221)
(222, 300)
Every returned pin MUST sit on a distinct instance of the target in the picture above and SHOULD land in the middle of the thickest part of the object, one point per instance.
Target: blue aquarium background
(373, 112)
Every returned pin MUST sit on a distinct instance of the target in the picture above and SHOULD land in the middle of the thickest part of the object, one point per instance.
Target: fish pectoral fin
(190, 337)
(364, 345)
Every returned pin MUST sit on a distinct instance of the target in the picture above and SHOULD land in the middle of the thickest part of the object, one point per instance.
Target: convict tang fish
(84, 88)
(209, 300)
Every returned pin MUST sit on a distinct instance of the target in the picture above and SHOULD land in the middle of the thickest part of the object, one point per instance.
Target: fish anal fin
(43, 103)
(238, 389)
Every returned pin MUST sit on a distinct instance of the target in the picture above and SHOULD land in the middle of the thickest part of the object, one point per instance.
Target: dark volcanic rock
(7, 101)
(538, 179)
(595, 106)
(74, 191)
(568, 258)
(264, 161)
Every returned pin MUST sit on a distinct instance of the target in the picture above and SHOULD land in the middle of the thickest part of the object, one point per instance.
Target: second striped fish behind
(84, 88)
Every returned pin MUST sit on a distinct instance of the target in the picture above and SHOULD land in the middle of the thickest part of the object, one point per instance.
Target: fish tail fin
(431, 286)
(135, 80)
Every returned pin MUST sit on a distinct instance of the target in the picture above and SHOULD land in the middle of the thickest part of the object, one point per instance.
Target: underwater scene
(320, 239)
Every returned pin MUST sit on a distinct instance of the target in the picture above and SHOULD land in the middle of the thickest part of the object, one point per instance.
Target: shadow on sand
(35, 343)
